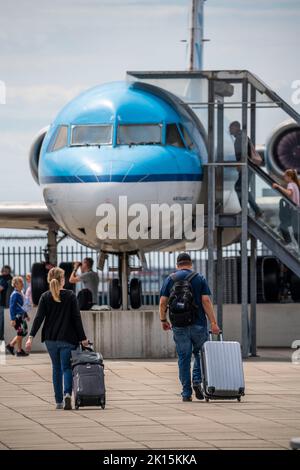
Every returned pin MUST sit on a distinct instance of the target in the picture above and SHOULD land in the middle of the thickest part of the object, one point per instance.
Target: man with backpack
(185, 294)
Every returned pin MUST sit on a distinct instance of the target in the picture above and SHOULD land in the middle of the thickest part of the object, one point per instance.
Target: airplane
(121, 138)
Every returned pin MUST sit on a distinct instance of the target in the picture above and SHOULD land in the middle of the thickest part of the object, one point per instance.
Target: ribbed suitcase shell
(222, 370)
(88, 385)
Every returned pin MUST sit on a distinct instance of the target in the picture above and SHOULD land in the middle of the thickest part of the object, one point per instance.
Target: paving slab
(144, 408)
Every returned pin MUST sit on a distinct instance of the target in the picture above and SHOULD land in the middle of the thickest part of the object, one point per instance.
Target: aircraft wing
(21, 215)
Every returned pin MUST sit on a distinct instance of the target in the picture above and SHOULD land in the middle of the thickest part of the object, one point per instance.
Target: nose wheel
(115, 293)
(120, 291)
(135, 293)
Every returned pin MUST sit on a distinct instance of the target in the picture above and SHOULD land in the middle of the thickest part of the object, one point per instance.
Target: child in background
(18, 316)
(27, 306)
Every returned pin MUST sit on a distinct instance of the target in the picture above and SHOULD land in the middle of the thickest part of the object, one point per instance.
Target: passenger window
(91, 135)
(139, 134)
(59, 140)
(173, 136)
(186, 137)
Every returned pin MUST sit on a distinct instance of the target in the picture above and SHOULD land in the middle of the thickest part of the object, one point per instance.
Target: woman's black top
(62, 319)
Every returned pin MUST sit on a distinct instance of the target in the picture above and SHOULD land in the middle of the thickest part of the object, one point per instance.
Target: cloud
(41, 94)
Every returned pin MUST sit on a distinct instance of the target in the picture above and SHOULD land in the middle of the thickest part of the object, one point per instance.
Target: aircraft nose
(112, 171)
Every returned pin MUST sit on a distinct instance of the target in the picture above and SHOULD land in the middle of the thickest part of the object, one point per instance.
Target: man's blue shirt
(199, 286)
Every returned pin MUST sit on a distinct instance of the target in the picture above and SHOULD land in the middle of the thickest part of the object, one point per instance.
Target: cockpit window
(186, 137)
(59, 139)
(85, 135)
(139, 134)
(173, 136)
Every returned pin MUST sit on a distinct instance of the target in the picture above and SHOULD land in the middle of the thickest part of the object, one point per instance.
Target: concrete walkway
(144, 409)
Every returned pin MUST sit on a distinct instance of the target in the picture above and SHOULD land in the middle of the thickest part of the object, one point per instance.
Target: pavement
(144, 409)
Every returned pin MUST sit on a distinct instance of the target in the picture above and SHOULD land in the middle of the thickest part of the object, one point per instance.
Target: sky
(50, 50)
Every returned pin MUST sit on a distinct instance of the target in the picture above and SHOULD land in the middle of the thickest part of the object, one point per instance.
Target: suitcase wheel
(102, 403)
(238, 399)
(206, 399)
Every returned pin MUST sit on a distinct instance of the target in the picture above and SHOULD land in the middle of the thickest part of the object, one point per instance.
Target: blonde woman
(18, 317)
(62, 331)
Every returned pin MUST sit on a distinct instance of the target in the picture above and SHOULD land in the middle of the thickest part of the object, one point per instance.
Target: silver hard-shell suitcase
(222, 370)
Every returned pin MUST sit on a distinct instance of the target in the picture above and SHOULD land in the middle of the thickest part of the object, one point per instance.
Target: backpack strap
(173, 276)
(190, 276)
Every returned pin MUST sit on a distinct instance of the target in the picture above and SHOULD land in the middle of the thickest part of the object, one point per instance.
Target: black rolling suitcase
(88, 378)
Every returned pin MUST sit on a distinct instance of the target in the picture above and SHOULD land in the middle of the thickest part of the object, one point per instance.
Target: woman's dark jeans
(60, 354)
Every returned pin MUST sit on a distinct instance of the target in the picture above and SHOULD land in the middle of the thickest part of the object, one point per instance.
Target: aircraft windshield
(173, 136)
(59, 139)
(91, 135)
(139, 134)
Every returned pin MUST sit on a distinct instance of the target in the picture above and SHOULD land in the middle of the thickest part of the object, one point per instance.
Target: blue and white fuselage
(115, 140)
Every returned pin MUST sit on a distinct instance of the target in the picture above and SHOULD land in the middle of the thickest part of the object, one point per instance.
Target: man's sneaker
(59, 406)
(22, 353)
(10, 349)
(68, 402)
(186, 398)
(198, 392)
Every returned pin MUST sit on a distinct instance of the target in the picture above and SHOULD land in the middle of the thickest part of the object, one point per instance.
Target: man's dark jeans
(189, 341)
(238, 189)
(60, 354)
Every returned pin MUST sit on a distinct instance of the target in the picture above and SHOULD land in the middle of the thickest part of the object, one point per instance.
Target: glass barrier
(273, 210)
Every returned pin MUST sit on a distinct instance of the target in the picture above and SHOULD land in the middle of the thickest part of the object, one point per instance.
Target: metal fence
(20, 254)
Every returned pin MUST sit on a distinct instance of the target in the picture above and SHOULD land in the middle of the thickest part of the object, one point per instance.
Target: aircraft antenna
(196, 41)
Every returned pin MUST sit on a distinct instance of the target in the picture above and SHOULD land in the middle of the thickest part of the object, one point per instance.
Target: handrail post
(244, 234)
(211, 195)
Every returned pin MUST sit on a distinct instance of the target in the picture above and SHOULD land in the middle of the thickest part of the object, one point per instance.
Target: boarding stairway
(265, 227)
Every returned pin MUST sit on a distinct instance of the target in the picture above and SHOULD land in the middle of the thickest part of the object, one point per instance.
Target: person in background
(289, 216)
(18, 316)
(189, 339)
(88, 277)
(5, 280)
(236, 131)
(62, 332)
(27, 295)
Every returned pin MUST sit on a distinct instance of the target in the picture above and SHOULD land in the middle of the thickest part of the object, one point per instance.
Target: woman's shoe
(68, 402)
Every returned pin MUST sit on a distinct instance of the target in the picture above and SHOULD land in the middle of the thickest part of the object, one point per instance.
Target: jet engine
(34, 153)
(283, 149)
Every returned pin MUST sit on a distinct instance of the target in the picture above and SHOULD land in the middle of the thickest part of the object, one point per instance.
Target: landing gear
(68, 268)
(115, 294)
(119, 289)
(39, 271)
(295, 287)
(39, 282)
(135, 293)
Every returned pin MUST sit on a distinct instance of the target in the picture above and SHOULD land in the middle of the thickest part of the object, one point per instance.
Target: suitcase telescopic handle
(220, 335)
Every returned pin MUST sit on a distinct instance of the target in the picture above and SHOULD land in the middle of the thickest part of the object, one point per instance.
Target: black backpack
(85, 299)
(182, 307)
